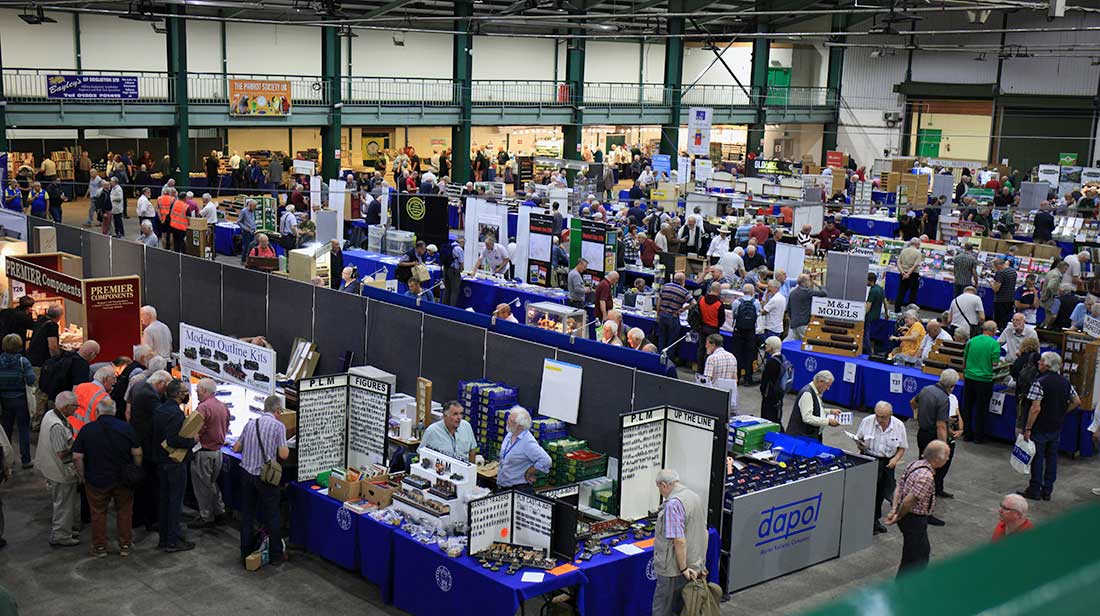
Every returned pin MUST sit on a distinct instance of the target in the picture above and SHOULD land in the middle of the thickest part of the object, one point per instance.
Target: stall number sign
(997, 403)
(1092, 327)
(843, 309)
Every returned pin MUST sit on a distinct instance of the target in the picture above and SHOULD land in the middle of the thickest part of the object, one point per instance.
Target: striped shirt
(672, 298)
(675, 519)
(273, 433)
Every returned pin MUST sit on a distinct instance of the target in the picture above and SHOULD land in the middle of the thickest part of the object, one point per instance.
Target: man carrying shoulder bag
(262, 445)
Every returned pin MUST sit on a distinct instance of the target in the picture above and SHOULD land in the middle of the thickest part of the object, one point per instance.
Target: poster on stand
(1049, 174)
(704, 170)
(683, 170)
(322, 424)
(227, 359)
(426, 216)
(315, 198)
(539, 248)
(641, 457)
(254, 97)
(1069, 179)
(490, 520)
(662, 167)
(368, 416)
(112, 309)
(1090, 175)
(699, 121)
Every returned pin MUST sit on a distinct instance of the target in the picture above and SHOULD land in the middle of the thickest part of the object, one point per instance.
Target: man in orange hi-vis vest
(177, 221)
(164, 207)
(89, 395)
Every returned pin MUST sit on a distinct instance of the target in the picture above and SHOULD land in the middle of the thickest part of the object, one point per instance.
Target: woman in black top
(771, 391)
(1024, 371)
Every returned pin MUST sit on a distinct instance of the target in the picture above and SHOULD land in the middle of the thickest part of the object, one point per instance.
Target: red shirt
(215, 423)
(648, 251)
(827, 236)
(604, 302)
(994, 184)
(761, 233)
(999, 532)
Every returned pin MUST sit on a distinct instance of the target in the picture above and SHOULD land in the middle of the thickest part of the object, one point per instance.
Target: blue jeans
(55, 213)
(173, 482)
(16, 414)
(668, 330)
(1044, 466)
(260, 498)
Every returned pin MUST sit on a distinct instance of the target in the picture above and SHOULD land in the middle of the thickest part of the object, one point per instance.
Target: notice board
(342, 422)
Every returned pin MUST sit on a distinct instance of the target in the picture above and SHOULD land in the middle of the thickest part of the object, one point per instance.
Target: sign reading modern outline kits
(322, 423)
(830, 308)
(227, 359)
(91, 87)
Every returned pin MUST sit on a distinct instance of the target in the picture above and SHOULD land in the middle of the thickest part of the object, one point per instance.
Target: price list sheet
(322, 422)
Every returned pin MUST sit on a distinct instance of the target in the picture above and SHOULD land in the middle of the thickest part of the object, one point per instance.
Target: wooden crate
(820, 337)
(1079, 358)
(947, 353)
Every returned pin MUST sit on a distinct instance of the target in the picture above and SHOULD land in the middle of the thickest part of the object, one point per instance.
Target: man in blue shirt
(417, 292)
(520, 454)
(452, 435)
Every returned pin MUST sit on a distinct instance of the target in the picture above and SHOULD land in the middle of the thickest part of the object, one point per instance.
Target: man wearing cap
(719, 244)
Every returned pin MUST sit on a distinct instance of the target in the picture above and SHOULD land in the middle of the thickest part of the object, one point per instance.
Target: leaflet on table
(227, 359)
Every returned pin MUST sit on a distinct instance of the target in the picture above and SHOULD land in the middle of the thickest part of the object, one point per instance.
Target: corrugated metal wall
(1052, 76)
(868, 83)
(954, 67)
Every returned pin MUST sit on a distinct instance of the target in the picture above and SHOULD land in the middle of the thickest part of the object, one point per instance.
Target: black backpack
(447, 254)
(55, 376)
(103, 200)
(746, 317)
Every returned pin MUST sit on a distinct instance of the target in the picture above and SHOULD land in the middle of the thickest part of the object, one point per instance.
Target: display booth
(342, 423)
(107, 310)
(594, 242)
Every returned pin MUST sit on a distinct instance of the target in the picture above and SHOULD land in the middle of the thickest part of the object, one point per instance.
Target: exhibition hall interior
(549, 307)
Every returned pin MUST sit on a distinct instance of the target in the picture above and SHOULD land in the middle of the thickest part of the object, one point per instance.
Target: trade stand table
(428, 582)
(807, 363)
(485, 294)
(873, 225)
(935, 294)
(623, 585)
(1076, 439)
(224, 232)
(371, 262)
(685, 351)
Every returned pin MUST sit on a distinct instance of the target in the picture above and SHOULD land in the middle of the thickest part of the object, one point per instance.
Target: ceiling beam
(393, 5)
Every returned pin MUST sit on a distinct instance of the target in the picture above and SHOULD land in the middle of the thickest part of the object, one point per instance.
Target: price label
(997, 403)
(849, 372)
(895, 383)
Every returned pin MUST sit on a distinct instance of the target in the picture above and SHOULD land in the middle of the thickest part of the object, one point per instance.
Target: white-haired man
(207, 463)
(1052, 397)
(679, 542)
(146, 236)
(89, 395)
(54, 459)
(1012, 517)
(809, 415)
(882, 436)
(1072, 275)
(154, 333)
(521, 457)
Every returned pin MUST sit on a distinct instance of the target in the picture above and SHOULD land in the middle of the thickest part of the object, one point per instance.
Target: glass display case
(558, 318)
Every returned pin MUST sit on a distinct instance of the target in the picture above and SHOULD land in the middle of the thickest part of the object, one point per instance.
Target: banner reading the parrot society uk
(248, 97)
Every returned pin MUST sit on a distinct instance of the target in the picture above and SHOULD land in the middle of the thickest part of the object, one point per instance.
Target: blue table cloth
(807, 363)
(483, 295)
(1076, 439)
(224, 232)
(229, 481)
(862, 225)
(371, 263)
(376, 554)
(428, 582)
(935, 294)
(323, 526)
(621, 585)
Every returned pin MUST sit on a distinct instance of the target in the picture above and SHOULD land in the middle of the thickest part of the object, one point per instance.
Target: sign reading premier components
(44, 278)
(227, 359)
(843, 309)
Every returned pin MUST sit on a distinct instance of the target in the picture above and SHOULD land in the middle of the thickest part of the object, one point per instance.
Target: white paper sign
(629, 549)
(303, 167)
(336, 191)
(322, 424)
(560, 394)
(704, 170)
(683, 170)
(533, 577)
(895, 383)
(997, 403)
(315, 191)
(1092, 327)
(843, 309)
(227, 359)
(845, 418)
(849, 372)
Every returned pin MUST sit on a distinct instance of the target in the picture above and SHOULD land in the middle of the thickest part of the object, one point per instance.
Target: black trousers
(772, 410)
(976, 397)
(884, 485)
(744, 348)
(1002, 312)
(907, 287)
(927, 436)
(147, 497)
(915, 549)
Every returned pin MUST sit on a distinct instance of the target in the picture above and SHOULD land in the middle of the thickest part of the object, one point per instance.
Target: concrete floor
(208, 579)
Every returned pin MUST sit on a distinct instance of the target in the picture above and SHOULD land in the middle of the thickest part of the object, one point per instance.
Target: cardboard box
(255, 560)
(197, 224)
(290, 420)
(377, 490)
(342, 489)
(192, 425)
(176, 453)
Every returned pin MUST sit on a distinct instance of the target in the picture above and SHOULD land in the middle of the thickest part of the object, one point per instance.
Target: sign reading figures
(331, 408)
(251, 97)
(426, 216)
(667, 437)
(842, 309)
(227, 359)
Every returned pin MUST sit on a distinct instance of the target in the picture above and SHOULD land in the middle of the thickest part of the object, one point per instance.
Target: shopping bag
(1022, 454)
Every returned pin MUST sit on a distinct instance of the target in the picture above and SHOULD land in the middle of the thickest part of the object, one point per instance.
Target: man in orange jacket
(89, 395)
(177, 222)
(164, 207)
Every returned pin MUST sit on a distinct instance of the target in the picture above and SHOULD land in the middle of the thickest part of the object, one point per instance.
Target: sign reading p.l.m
(784, 521)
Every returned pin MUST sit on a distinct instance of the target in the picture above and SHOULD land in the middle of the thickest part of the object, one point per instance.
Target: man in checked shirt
(914, 501)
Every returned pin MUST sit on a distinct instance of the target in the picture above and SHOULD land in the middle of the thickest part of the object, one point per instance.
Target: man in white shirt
(209, 210)
(719, 244)
(428, 176)
(882, 436)
(1073, 274)
(933, 333)
(155, 334)
(493, 255)
(1013, 336)
(774, 307)
(145, 208)
(967, 311)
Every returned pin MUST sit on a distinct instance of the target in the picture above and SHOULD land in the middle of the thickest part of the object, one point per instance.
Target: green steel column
(574, 77)
(179, 144)
(330, 73)
(76, 42)
(463, 78)
(832, 83)
(758, 81)
(3, 115)
(674, 86)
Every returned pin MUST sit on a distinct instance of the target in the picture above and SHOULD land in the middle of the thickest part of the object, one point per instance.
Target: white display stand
(813, 215)
(457, 513)
(560, 395)
(343, 421)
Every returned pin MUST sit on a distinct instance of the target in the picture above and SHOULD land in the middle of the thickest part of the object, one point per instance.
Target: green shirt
(875, 296)
(437, 437)
(981, 354)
